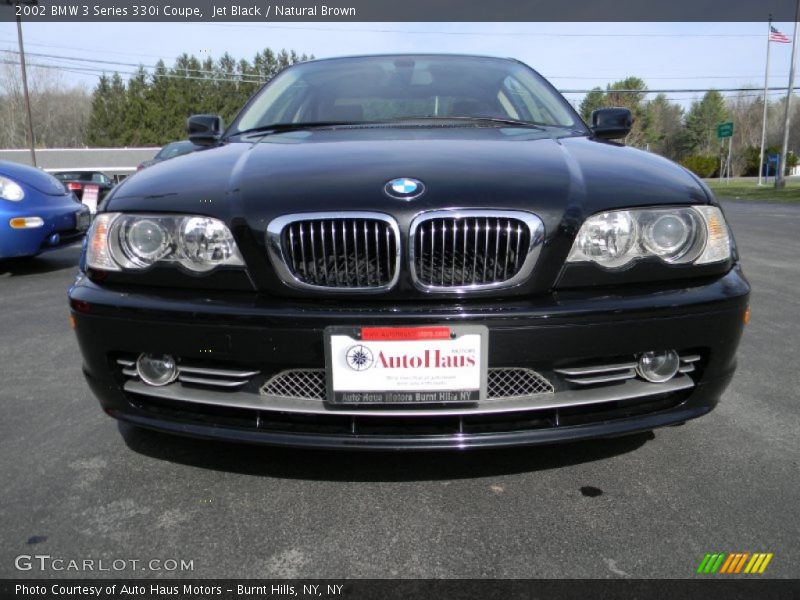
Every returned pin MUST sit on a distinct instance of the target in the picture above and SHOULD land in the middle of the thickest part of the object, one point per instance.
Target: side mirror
(611, 123)
(204, 130)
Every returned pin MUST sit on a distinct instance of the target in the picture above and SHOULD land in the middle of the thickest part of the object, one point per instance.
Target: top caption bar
(407, 10)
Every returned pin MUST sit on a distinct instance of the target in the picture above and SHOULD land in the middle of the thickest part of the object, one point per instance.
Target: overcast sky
(571, 55)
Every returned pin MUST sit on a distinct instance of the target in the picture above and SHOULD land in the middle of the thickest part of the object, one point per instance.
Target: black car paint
(560, 315)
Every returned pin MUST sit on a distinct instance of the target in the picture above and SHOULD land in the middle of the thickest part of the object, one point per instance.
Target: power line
(678, 77)
(242, 76)
(758, 92)
(673, 91)
(103, 50)
(251, 75)
(496, 34)
(252, 78)
(94, 71)
(579, 77)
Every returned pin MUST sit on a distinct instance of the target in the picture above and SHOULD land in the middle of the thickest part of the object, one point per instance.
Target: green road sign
(725, 130)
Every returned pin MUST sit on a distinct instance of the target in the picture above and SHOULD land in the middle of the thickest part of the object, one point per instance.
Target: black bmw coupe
(410, 252)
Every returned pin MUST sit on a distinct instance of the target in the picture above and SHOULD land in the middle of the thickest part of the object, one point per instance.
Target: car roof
(415, 55)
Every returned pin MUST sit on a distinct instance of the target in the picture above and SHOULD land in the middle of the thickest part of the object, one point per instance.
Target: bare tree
(60, 111)
(745, 110)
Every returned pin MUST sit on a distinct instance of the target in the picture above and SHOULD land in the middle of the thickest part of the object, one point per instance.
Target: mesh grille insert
(298, 383)
(503, 383)
(514, 383)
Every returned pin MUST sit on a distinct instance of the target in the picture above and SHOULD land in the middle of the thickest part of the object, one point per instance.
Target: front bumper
(549, 334)
(58, 219)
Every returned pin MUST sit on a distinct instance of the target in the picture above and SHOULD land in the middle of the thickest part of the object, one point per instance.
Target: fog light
(156, 369)
(658, 366)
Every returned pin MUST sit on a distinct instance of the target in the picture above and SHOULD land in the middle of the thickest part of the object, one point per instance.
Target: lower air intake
(504, 383)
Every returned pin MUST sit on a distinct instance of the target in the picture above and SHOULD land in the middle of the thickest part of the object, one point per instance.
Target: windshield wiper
(283, 127)
(498, 120)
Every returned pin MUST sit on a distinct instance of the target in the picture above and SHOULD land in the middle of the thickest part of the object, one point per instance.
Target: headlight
(134, 242)
(692, 234)
(10, 190)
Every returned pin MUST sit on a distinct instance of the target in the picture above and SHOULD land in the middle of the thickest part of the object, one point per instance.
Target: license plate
(90, 195)
(82, 221)
(406, 365)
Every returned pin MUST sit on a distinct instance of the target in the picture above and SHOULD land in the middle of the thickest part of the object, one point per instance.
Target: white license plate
(90, 196)
(406, 365)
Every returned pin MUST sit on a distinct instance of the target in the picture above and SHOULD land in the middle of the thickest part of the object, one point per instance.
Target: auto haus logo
(361, 358)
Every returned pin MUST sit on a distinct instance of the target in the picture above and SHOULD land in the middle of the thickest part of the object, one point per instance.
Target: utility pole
(764, 119)
(780, 178)
(31, 139)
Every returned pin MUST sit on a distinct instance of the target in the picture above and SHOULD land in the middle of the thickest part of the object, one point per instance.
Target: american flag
(777, 36)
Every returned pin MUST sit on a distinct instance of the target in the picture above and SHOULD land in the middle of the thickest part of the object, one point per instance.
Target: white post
(764, 120)
(730, 146)
(780, 179)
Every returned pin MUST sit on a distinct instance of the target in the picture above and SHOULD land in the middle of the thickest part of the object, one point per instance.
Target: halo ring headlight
(146, 240)
(131, 242)
(677, 235)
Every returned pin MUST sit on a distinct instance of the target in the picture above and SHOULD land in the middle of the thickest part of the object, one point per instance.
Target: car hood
(33, 177)
(347, 170)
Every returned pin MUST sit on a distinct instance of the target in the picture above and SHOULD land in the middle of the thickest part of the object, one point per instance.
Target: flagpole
(780, 179)
(764, 119)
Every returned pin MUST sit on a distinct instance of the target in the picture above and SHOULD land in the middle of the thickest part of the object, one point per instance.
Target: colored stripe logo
(734, 563)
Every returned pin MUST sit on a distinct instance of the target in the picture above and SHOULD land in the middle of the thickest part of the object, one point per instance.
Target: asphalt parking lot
(77, 485)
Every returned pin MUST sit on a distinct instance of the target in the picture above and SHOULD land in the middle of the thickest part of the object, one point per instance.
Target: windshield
(176, 149)
(82, 176)
(385, 88)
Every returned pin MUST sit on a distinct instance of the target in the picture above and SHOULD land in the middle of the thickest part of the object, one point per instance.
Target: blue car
(37, 213)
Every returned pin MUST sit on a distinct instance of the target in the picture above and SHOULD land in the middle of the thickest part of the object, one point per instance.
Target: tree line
(149, 108)
(690, 136)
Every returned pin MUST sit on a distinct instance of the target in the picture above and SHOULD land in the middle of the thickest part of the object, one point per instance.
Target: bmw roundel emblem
(404, 188)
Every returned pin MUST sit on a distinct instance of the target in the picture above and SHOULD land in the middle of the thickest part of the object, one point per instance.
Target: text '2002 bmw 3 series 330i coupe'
(414, 251)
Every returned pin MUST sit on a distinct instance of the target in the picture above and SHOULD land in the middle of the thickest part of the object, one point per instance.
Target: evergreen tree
(136, 117)
(664, 127)
(700, 135)
(100, 119)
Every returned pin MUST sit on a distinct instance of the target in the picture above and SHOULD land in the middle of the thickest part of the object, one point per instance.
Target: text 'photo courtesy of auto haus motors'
(409, 252)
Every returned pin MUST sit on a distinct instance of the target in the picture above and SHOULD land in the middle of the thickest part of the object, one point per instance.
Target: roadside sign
(725, 130)
(773, 158)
